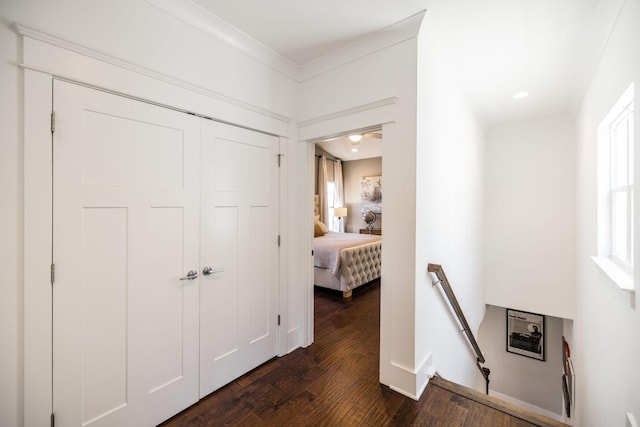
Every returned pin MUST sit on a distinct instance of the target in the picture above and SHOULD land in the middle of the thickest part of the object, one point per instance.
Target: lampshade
(340, 211)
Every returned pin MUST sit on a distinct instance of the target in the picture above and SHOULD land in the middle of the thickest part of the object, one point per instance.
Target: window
(615, 192)
(621, 166)
(331, 197)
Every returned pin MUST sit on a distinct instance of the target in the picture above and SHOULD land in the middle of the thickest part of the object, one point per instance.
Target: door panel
(125, 338)
(123, 144)
(259, 291)
(105, 297)
(238, 235)
(165, 310)
(216, 306)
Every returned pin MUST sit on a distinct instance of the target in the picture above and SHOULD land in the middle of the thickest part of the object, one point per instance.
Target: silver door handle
(208, 271)
(190, 275)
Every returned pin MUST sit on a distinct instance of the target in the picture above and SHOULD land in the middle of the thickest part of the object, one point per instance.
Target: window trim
(621, 277)
(624, 116)
(618, 268)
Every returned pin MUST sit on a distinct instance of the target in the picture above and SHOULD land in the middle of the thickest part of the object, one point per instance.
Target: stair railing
(448, 291)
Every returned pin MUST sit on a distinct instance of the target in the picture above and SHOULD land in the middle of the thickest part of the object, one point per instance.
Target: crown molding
(203, 20)
(42, 36)
(366, 45)
(213, 26)
(210, 24)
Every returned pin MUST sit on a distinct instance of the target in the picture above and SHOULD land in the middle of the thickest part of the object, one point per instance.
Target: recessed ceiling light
(520, 95)
(355, 138)
(355, 150)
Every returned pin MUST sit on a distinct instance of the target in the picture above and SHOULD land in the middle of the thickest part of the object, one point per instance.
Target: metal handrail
(448, 291)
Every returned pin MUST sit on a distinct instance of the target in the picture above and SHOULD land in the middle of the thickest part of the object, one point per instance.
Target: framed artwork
(568, 377)
(371, 194)
(567, 398)
(525, 334)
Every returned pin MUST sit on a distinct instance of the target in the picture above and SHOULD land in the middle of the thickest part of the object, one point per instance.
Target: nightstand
(376, 231)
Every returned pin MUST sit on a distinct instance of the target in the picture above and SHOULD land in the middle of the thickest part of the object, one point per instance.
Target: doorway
(358, 159)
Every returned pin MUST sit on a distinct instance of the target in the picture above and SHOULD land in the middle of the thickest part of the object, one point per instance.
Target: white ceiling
(342, 148)
(546, 47)
(495, 47)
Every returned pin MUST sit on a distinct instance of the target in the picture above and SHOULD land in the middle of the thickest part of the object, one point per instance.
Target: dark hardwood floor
(334, 382)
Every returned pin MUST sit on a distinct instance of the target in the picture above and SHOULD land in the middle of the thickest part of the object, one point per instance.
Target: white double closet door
(142, 196)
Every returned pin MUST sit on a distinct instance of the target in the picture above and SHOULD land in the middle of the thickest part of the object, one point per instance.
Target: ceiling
(495, 48)
(548, 48)
(368, 147)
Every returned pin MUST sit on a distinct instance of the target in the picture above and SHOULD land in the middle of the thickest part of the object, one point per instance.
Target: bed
(344, 261)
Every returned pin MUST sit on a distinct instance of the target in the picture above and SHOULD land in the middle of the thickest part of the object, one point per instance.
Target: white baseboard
(424, 374)
(402, 379)
(528, 406)
(293, 339)
(404, 392)
(412, 383)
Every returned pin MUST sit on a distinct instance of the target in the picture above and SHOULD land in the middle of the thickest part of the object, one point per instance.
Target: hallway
(334, 382)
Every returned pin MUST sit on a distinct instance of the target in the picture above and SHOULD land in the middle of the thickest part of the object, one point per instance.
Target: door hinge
(278, 240)
(311, 252)
(53, 420)
(280, 157)
(53, 121)
(53, 273)
(278, 320)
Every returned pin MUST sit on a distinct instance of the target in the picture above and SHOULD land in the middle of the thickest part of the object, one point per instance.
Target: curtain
(322, 189)
(339, 223)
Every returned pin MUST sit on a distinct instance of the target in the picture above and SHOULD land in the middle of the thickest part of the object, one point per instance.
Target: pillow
(316, 221)
(317, 230)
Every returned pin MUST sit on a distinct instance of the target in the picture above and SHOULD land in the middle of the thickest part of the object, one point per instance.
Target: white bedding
(327, 248)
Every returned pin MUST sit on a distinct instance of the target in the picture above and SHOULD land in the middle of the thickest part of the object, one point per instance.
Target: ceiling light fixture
(354, 149)
(520, 95)
(355, 138)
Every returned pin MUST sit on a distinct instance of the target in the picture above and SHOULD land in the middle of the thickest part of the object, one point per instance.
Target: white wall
(142, 35)
(449, 213)
(533, 381)
(352, 172)
(530, 217)
(606, 330)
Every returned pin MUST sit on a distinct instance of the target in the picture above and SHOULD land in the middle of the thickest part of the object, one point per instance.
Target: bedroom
(348, 211)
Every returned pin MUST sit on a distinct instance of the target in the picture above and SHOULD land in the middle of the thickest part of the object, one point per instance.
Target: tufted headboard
(316, 205)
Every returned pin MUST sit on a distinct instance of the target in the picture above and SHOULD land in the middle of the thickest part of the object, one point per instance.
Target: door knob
(190, 275)
(208, 271)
